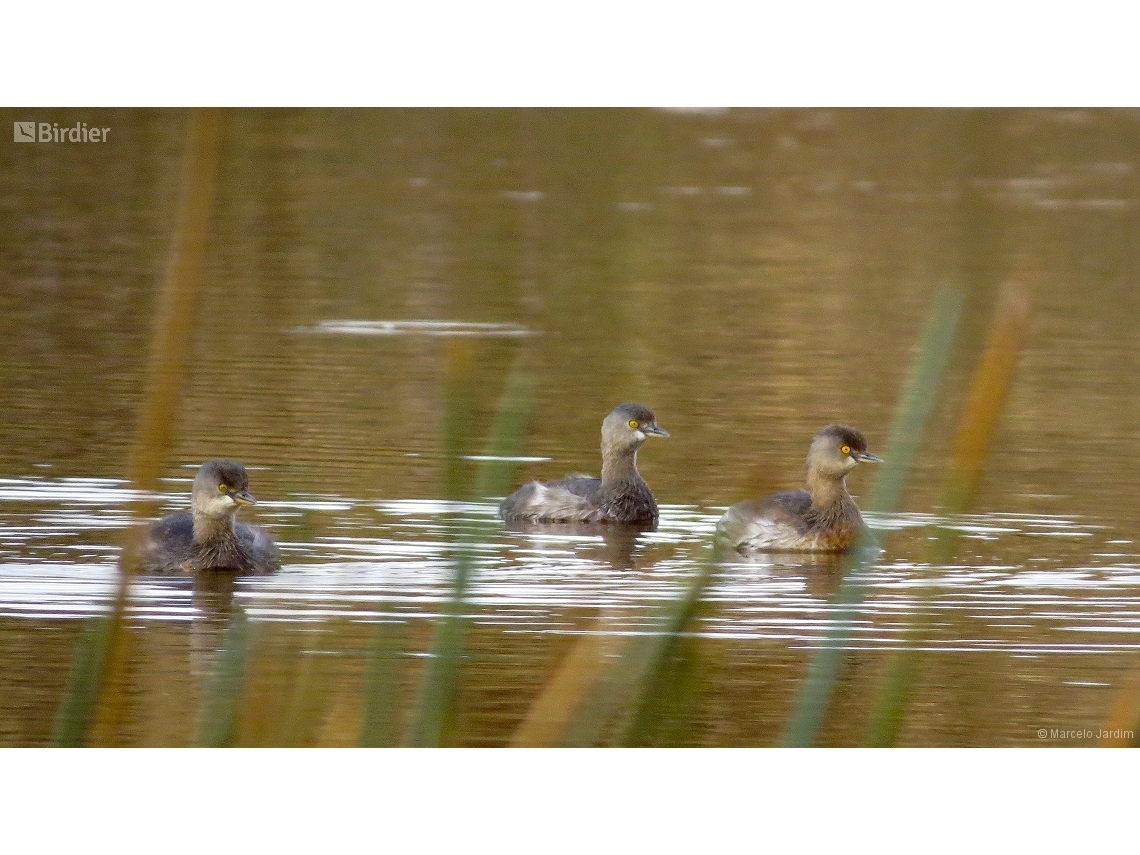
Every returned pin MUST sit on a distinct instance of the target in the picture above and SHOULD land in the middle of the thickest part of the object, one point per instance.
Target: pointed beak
(243, 498)
(867, 457)
(655, 430)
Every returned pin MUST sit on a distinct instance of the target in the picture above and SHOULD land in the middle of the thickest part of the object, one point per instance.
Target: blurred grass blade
(216, 726)
(458, 414)
(549, 716)
(382, 687)
(921, 391)
(986, 398)
(622, 689)
(93, 669)
(309, 687)
(984, 403)
(434, 719)
(82, 696)
(662, 662)
(664, 712)
(508, 431)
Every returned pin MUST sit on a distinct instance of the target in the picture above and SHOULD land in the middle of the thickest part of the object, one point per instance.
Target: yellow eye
(846, 449)
(634, 423)
(223, 488)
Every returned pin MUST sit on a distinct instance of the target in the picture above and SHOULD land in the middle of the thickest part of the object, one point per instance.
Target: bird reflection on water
(619, 547)
(212, 600)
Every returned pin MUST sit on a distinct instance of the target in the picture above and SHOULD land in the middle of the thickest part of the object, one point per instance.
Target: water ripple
(1071, 591)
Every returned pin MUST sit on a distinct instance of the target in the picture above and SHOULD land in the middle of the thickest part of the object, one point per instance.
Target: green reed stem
(301, 719)
(382, 687)
(921, 391)
(935, 346)
(81, 699)
(627, 686)
(984, 404)
(436, 704)
(216, 726)
(508, 432)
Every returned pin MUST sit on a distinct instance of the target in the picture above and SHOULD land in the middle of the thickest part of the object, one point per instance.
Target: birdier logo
(52, 132)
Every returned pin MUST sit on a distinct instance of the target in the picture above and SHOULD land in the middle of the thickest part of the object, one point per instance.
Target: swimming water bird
(209, 537)
(619, 496)
(822, 518)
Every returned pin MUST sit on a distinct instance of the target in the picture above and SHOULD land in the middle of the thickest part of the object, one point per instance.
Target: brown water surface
(751, 275)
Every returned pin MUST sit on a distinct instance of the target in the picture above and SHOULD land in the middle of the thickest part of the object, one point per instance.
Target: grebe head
(836, 450)
(220, 488)
(628, 427)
